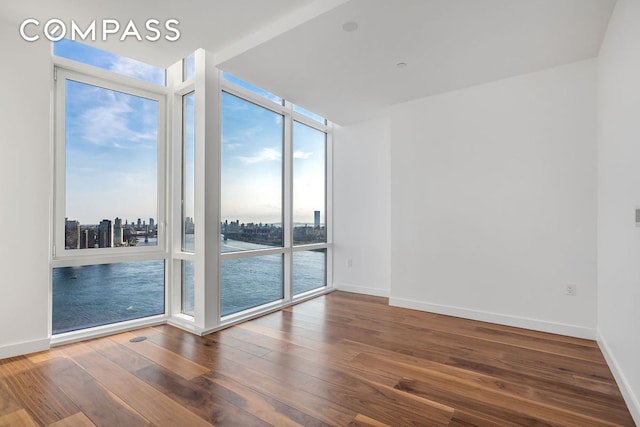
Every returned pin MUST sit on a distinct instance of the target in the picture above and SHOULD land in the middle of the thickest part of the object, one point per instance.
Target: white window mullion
(329, 206)
(288, 202)
(174, 179)
(59, 196)
(207, 192)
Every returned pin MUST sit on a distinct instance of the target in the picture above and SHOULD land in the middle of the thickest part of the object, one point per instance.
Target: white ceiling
(298, 50)
(208, 24)
(447, 44)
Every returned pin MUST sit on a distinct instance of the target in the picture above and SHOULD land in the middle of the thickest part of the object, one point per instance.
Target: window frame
(290, 117)
(208, 85)
(69, 70)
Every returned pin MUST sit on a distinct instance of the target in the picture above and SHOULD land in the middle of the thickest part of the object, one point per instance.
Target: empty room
(320, 213)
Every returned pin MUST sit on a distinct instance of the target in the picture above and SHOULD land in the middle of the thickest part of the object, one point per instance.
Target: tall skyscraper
(117, 232)
(92, 241)
(71, 234)
(84, 239)
(316, 219)
(105, 234)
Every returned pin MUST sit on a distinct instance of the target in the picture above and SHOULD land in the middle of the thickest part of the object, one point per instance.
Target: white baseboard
(22, 348)
(502, 319)
(376, 292)
(630, 398)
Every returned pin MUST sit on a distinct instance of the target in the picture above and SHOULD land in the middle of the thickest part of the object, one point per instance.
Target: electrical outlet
(570, 290)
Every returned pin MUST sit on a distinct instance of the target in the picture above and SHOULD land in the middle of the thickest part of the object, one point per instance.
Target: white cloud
(132, 68)
(301, 155)
(108, 123)
(267, 154)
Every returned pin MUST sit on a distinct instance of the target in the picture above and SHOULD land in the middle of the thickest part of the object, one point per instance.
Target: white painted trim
(502, 319)
(630, 398)
(22, 348)
(376, 292)
(184, 324)
(104, 330)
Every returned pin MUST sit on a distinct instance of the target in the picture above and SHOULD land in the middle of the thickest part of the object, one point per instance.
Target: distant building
(71, 234)
(105, 234)
(152, 223)
(91, 238)
(117, 232)
(189, 227)
(316, 219)
(84, 239)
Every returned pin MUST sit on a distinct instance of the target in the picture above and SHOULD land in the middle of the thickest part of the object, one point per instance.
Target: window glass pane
(189, 67)
(255, 89)
(309, 200)
(309, 114)
(89, 55)
(252, 145)
(250, 282)
(188, 173)
(309, 270)
(96, 295)
(111, 153)
(187, 288)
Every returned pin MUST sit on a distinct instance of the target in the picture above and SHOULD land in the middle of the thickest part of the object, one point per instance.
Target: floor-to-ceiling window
(251, 205)
(109, 243)
(309, 208)
(133, 198)
(273, 199)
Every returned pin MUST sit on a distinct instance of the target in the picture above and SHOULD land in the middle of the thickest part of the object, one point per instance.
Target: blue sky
(111, 146)
(252, 162)
(111, 155)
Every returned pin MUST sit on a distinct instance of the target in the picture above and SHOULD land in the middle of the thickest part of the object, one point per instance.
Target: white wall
(361, 207)
(493, 201)
(618, 197)
(24, 191)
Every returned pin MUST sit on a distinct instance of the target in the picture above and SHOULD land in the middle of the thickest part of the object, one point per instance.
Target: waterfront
(107, 293)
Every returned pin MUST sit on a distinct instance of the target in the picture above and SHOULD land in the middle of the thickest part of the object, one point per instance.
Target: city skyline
(108, 233)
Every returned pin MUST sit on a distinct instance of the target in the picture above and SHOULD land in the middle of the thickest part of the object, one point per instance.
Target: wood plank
(377, 307)
(266, 408)
(97, 403)
(76, 420)
(319, 408)
(348, 385)
(225, 358)
(8, 402)
(199, 397)
(19, 418)
(424, 381)
(35, 391)
(364, 421)
(576, 399)
(357, 394)
(14, 366)
(143, 398)
(566, 370)
(163, 357)
(459, 346)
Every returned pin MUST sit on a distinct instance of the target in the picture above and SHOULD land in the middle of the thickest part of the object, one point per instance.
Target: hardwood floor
(342, 359)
